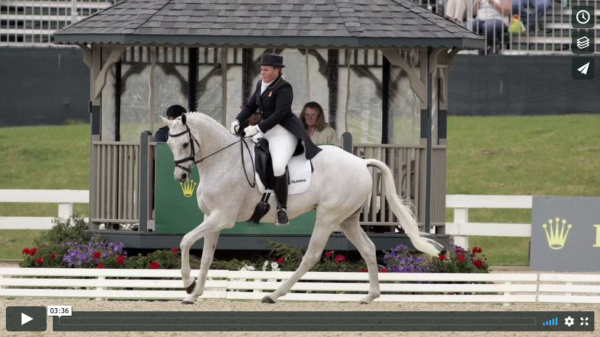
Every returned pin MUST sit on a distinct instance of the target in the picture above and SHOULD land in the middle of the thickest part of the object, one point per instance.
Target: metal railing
(549, 33)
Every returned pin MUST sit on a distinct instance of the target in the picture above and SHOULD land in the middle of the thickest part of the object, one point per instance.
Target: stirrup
(282, 217)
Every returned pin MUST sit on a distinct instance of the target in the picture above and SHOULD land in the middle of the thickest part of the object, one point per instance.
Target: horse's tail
(404, 213)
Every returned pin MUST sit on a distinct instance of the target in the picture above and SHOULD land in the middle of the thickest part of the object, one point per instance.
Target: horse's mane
(204, 117)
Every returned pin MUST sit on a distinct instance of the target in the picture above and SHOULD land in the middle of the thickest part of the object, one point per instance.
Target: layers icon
(583, 42)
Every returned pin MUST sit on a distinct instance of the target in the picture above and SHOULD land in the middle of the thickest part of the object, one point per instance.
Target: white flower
(251, 268)
(274, 266)
(264, 267)
(243, 269)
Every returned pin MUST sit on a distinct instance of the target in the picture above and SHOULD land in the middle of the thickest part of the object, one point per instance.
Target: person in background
(320, 132)
(534, 15)
(492, 17)
(174, 111)
(455, 10)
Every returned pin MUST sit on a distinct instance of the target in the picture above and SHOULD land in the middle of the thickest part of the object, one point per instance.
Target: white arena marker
(58, 310)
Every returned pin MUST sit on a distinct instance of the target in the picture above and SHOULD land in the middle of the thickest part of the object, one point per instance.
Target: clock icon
(583, 17)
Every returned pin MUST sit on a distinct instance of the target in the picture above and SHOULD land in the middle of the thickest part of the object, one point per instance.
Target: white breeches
(282, 144)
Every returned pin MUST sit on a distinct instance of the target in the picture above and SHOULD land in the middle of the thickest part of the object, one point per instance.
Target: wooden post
(461, 216)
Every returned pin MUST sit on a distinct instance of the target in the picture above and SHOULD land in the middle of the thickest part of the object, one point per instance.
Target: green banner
(176, 206)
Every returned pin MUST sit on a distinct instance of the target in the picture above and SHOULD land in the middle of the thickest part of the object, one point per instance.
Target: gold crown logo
(188, 188)
(557, 236)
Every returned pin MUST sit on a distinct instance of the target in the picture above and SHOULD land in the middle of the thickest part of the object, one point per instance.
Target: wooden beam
(417, 85)
(100, 80)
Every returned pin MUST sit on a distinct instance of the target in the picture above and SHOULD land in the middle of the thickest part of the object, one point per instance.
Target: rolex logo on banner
(555, 233)
(188, 188)
(565, 234)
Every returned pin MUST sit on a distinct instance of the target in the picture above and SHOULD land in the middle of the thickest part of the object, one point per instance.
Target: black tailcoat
(275, 106)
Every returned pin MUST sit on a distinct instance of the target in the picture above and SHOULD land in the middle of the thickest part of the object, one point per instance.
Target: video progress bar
(314, 321)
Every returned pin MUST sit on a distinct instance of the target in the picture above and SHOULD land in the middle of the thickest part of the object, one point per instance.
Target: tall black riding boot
(281, 195)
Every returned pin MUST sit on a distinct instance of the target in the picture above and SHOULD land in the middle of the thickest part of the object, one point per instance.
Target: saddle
(298, 173)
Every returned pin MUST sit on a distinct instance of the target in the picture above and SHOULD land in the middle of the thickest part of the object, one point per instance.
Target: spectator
(162, 134)
(455, 10)
(492, 17)
(320, 132)
(536, 15)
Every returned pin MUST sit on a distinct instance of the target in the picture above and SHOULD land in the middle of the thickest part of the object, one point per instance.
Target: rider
(280, 126)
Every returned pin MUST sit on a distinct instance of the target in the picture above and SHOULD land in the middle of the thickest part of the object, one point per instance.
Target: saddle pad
(300, 175)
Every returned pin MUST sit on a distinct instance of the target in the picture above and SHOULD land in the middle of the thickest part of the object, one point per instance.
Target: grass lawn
(557, 155)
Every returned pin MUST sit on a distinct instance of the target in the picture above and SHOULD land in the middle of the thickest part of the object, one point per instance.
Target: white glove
(257, 137)
(251, 130)
(234, 127)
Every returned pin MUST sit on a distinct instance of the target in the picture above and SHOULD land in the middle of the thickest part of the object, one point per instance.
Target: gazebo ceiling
(270, 23)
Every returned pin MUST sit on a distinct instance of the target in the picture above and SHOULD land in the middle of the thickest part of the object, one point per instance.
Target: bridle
(192, 156)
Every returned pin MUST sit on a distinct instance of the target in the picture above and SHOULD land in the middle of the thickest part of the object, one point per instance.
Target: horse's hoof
(267, 299)
(190, 289)
(187, 303)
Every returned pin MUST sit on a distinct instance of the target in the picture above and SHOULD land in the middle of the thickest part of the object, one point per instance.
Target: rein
(192, 156)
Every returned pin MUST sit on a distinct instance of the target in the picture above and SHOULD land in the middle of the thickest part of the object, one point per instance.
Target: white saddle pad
(300, 175)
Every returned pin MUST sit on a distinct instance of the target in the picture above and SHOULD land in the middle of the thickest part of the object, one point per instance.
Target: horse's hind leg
(325, 224)
(366, 247)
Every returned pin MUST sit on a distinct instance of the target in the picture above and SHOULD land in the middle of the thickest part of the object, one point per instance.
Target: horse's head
(184, 146)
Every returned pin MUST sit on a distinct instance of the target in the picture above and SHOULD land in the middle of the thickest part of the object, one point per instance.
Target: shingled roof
(270, 23)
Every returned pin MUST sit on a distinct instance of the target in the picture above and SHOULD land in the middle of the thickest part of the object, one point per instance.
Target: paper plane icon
(583, 69)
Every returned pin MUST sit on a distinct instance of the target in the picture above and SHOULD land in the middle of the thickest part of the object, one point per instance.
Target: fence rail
(316, 286)
(461, 227)
(64, 198)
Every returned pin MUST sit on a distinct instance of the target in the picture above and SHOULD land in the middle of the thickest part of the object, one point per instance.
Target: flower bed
(65, 246)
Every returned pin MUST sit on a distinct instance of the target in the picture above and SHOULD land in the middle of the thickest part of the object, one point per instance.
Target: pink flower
(40, 260)
(340, 259)
(97, 255)
(100, 266)
(174, 250)
(52, 256)
(281, 260)
(154, 265)
(329, 253)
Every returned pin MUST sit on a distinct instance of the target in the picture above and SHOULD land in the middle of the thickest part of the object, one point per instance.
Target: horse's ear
(183, 119)
(166, 120)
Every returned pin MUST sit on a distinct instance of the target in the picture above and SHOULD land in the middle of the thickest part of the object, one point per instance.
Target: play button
(26, 318)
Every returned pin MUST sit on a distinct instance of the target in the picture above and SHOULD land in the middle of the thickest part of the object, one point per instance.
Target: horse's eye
(186, 145)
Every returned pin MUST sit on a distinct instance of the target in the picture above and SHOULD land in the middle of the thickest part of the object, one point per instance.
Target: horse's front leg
(209, 229)
(188, 282)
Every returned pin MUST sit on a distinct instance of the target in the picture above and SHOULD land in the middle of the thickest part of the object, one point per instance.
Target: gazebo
(379, 68)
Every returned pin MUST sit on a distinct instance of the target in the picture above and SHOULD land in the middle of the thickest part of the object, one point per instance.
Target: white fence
(317, 286)
(461, 228)
(64, 198)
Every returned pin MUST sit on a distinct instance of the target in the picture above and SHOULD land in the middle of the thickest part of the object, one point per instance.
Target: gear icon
(569, 321)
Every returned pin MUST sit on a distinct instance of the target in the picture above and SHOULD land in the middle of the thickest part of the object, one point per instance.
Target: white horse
(341, 183)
